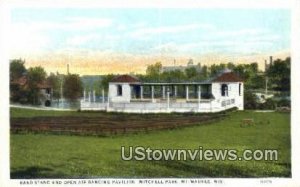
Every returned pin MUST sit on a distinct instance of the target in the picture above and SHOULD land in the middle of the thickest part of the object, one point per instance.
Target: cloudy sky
(100, 41)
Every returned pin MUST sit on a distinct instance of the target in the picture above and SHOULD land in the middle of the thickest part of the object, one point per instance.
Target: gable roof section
(228, 77)
(125, 79)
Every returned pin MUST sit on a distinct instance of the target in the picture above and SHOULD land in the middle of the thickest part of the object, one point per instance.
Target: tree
(16, 68)
(279, 74)
(204, 72)
(257, 82)
(250, 101)
(16, 71)
(105, 80)
(72, 87)
(36, 75)
(254, 67)
(230, 66)
(177, 76)
(216, 69)
(190, 73)
(54, 81)
(153, 71)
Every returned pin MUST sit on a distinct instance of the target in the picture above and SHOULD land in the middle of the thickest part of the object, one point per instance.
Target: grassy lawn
(58, 156)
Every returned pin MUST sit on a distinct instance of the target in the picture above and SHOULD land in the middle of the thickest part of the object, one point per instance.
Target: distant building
(182, 68)
(45, 89)
(268, 65)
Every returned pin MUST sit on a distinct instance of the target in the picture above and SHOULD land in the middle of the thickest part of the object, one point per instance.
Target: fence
(161, 107)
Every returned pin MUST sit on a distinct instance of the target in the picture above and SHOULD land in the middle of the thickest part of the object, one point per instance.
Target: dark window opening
(224, 90)
(240, 88)
(119, 90)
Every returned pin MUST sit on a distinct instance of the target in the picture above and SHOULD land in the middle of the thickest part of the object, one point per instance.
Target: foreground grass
(53, 156)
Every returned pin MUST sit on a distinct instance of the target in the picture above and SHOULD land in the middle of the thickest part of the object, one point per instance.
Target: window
(224, 90)
(240, 89)
(119, 90)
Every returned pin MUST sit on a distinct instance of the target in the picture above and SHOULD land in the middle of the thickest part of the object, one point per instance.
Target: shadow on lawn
(34, 172)
(205, 170)
(218, 170)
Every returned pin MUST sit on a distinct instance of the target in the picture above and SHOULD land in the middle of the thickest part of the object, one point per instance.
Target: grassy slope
(78, 156)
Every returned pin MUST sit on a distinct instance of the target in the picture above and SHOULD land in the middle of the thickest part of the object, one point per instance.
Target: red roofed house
(128, 94)
(45, 89)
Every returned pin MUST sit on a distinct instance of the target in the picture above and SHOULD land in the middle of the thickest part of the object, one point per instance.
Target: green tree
(257, 82)
(191, 73)
(204, 73)
(230, 66)
(72, 87)
(250, 101)
(153, 71)
(279, 74)
(216, 69)
(36, 76)
(105, 80)
(54, 81)
(16, 68)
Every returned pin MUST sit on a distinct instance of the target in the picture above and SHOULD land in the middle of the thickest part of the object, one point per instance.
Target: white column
(152, 93)
(107, 104)
(89, 96)
(168, 99)
(94, 96)
(142, 93)
(175, 91)
(187, 92)
(164, 92)
(84, 95)
(199, 96)
(103, 100)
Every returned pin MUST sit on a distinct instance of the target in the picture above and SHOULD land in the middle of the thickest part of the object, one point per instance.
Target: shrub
(270, 104)
(250, 101)
(284, 103)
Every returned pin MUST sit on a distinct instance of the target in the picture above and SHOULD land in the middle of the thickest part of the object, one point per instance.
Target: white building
(190, 64)
(127, 94)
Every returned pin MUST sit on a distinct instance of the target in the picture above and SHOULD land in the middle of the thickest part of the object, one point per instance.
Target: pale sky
(100, 41)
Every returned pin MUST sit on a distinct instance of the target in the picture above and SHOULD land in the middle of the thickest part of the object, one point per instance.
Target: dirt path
(107, 124)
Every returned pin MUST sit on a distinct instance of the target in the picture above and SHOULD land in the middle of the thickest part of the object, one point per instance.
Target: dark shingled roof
(228, 77)
(125, 78)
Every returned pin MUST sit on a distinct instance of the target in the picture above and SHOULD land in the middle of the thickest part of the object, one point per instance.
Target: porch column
(187, 92)
(164, 92)
(84, 95)
(175, 91)
(94, 96)
(152, 93)
(168, 99)
(199, 96)
(107, 104)
(103, 96)
(90, 96)
(142, 93)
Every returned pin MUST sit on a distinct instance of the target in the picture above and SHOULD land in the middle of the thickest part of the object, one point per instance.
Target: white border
(294, 5)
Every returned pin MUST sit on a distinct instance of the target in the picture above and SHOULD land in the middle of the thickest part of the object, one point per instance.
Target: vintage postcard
(149, 94)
